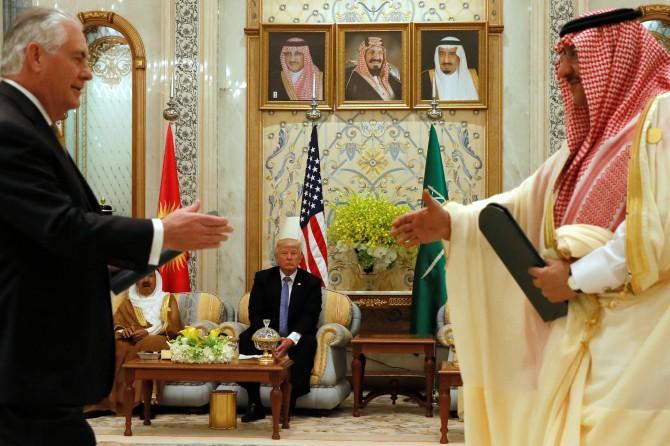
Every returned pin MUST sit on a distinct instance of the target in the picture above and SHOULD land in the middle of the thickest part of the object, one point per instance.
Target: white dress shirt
(604, 268)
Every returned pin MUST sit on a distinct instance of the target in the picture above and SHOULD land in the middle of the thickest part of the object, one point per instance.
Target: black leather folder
(517, 254)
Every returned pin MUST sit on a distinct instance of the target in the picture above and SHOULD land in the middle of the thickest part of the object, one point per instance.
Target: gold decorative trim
(494, 116)
(445, 28)
(341, 29)
(494, 11)
(327, 69)
(637, 263)
(655, 12)
(254, 208)
(381, 301)
(110, 19)
(120, 58)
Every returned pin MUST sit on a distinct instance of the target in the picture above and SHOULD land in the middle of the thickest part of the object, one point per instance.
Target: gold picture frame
(466, 40)
(279, 90)
(355, 86)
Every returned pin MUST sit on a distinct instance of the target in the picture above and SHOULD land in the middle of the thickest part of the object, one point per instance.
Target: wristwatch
(572, 284)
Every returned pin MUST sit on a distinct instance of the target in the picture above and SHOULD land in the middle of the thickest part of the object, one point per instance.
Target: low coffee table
(247, 370)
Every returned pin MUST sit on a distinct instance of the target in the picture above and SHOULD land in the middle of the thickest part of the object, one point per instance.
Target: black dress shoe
(254, 412)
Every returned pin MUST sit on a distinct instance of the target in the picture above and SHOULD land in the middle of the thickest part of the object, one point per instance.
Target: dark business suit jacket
(56, 336)
(304, 304)
(303, 316)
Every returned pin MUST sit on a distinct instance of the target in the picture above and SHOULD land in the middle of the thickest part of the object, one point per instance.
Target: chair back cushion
(199, 306)
(243, 309)
(335, 307)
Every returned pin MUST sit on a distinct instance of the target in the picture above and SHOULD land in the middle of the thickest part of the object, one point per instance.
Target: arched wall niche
(91, 19)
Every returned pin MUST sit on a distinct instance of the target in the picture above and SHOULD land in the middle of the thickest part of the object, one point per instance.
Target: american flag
(312, 222)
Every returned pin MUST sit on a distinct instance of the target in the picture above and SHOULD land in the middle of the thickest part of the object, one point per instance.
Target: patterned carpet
(380, 423)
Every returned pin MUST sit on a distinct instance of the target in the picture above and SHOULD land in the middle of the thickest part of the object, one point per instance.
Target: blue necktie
(283, 308)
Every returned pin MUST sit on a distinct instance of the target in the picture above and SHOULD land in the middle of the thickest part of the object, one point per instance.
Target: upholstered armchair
(339, 321)
(201, 310)
(445, 337)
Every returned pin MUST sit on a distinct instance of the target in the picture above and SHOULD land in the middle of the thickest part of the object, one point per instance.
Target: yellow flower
(215, 332)
(190, 332)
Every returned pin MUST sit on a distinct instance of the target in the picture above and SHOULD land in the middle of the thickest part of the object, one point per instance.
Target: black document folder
(517, 254)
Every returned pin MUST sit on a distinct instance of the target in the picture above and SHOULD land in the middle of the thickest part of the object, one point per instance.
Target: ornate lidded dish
(266, 339)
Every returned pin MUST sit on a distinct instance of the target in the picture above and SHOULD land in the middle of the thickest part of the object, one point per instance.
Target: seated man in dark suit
(291, 298)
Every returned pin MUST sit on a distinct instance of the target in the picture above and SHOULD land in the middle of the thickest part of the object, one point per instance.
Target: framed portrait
(451, 64)
(296, 65)
(372, 66)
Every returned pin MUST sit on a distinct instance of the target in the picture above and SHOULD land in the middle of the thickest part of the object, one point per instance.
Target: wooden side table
(392, 343)
(449, 376)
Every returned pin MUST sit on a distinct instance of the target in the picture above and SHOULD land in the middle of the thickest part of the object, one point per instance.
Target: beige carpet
(381, 423)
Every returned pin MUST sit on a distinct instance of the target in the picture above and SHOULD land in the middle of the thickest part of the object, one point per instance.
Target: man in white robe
(598, 376)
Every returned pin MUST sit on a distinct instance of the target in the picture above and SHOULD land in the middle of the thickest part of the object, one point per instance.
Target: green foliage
(363, 224)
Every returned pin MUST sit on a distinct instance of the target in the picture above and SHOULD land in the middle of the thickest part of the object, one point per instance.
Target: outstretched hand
(186, 229)
(424, 225)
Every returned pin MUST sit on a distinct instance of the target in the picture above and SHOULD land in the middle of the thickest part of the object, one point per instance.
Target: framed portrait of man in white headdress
(450, 64)
(296, 66)
(372, 66)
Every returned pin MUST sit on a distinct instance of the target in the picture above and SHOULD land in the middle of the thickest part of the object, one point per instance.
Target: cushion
(335, 308)
(194, 307)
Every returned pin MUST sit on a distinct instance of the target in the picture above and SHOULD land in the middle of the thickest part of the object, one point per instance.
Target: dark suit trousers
(302, 355)
(44, 426)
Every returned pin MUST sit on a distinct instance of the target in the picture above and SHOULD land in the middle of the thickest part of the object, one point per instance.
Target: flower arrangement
(192, 346)
(363, 224)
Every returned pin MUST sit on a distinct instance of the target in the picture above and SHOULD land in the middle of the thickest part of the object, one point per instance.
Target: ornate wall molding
(186, 91)
(110, 19)
(560, 11)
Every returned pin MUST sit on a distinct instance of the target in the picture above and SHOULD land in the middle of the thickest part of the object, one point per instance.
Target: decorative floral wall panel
(375, 152)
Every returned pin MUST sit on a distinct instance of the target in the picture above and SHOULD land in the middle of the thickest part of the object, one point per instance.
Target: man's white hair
(44, 26)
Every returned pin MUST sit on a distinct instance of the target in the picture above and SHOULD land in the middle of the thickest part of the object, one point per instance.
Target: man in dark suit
(56, 336)
(290, 298)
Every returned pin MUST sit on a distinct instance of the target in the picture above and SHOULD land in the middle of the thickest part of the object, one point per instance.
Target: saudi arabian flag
(429, 291)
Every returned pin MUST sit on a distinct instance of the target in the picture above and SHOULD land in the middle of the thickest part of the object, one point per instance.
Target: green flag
(429, 290)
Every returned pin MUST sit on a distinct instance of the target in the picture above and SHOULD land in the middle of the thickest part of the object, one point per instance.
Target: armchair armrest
(330, 359)
(204, 324)
(232, 329)
(443, 334)
(355, 319)
(332, 335)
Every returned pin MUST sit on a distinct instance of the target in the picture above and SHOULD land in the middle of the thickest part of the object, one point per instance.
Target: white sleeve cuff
(604, 268)
(295, 337)
(157, 242)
